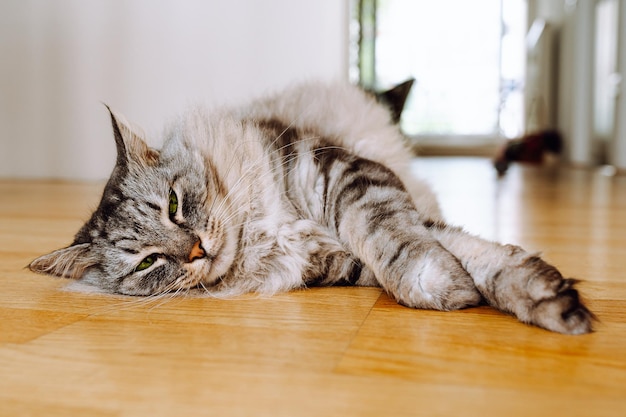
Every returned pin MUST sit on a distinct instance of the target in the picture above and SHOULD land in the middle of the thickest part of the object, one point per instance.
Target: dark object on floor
(530, 148)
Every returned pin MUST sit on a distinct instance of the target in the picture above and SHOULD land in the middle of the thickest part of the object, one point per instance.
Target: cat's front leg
(375, 218)
(517, 282)
(291, 255)
(420, 273)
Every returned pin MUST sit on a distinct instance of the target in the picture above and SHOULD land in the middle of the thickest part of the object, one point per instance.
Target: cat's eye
(173, 203)
(146, 263)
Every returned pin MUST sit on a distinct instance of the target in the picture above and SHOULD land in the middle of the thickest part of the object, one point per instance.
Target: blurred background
(485, 70)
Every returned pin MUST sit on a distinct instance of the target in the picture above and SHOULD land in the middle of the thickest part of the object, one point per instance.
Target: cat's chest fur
(279, 193)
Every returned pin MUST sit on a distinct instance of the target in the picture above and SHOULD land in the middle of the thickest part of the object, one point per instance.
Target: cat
(307, 187)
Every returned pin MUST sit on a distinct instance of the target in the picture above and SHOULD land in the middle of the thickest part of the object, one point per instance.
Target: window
(467, 58)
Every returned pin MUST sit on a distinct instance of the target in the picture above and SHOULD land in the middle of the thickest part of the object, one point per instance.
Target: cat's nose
(197, 252)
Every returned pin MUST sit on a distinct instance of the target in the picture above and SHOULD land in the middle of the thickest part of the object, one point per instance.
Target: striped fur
(307, 187)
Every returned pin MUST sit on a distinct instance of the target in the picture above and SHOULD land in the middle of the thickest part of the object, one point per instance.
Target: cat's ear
(395, 98)
(131, 147)
(70, 262)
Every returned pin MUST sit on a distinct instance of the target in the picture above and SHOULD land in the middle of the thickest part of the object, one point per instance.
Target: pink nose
(197, 252)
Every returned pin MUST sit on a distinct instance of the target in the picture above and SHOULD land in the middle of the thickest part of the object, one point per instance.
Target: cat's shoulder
(313, 94)
(334, 106)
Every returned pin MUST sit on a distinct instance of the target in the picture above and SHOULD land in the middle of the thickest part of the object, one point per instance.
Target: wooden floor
(321, 352)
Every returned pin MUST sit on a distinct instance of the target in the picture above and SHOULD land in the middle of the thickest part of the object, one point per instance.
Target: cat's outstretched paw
(552, 302)
(564, 312)
(437, 281)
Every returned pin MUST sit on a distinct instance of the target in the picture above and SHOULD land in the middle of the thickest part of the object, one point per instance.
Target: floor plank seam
(356, 333)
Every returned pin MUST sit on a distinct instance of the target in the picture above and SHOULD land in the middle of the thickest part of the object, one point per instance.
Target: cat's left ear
(130, 143)
(70, 262)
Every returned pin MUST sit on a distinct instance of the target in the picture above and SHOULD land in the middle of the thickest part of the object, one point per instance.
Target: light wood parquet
(321, 352)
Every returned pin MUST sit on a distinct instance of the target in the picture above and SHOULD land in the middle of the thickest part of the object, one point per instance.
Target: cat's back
(332, 106)
(340, 113)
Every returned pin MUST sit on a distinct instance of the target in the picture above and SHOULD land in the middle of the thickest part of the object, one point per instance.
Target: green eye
(147, 262)
(173, 203)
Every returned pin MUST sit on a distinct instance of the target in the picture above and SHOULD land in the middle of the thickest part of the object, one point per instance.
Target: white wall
(148, 59)
(569, 21)
(577, 61)
(617, 155)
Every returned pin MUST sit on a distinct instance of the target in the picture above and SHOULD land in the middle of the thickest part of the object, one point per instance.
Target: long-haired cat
(308, 187)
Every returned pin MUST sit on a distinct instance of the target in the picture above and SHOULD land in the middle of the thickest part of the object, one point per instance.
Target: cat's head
(163, 223)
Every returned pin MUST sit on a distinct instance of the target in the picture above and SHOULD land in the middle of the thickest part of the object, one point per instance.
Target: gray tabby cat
(310, 187)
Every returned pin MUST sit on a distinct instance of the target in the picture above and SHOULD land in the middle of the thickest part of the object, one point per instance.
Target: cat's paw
(551, 302)
(437, 281)
(564, 312)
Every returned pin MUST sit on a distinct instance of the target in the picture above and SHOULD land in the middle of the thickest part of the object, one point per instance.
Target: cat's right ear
(70, 262)
(131, 147)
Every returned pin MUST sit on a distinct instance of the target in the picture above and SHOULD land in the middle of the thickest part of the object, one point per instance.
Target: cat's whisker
(269, 172)
(235, 156)
(170, 292)
(258, 164)
(124, 303)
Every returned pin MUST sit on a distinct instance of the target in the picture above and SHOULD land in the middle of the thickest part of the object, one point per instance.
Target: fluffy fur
(307, 187)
